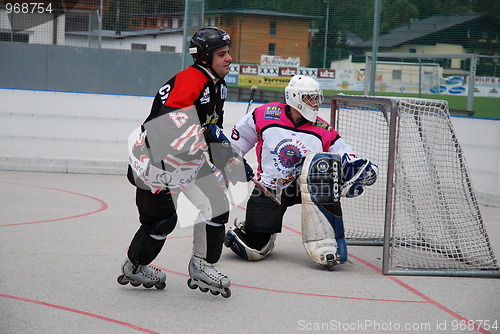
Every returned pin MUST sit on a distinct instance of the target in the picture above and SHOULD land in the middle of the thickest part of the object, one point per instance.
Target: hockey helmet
(303, 93)
(205, 41)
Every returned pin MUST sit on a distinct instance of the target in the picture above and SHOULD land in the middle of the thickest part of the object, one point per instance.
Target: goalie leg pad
(320, 192)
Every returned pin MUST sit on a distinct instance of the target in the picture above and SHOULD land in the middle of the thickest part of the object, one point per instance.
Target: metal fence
(272, 39)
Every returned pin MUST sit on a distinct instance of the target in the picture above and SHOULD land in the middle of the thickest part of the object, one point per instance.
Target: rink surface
(63, 238)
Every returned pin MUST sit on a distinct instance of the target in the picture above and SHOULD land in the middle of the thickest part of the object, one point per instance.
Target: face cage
(313, 100)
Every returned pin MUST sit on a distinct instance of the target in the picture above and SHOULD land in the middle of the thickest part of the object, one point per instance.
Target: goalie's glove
(357, 173)
(221, 151)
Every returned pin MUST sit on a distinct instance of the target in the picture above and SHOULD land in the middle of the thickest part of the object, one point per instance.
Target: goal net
(422, 207)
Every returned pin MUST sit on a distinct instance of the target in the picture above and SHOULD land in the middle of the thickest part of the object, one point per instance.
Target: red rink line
(100, 317)
(306, 293)
(412, 290)
(103, 207)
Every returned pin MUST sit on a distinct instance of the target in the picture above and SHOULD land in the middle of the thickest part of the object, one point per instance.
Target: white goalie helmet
(303, 93)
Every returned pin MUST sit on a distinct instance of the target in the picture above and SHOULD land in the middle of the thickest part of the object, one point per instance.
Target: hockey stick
(266, 191)
(250, 100)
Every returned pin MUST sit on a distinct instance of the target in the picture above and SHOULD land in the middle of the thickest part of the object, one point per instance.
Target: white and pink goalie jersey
(282, 145)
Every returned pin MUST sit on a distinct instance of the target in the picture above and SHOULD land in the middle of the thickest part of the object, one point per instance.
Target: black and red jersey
(193, 86)
(168, 150)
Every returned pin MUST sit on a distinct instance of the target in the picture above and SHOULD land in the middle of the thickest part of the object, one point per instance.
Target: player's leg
(208, 234)
(158, 218)
(254, 238)
(322, 225)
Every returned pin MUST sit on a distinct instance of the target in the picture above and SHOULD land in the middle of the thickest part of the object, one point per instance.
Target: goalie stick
(250, 100)
(266, 191)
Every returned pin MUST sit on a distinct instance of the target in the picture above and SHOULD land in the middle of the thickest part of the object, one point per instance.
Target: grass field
(483, 107)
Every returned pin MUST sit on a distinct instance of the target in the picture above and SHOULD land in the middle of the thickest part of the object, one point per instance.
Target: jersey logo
(289, 155)
(322, 124)
(223, 92)
(206, 96)
(164, 92)
(272, 112)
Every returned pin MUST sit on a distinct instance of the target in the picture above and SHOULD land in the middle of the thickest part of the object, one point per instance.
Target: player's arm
(244, 134)
(222, 153)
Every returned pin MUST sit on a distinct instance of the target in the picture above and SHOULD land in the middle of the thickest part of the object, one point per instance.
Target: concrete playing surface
(63, 238)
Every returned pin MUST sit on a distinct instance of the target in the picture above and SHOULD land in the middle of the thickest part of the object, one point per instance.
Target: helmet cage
(304, 95)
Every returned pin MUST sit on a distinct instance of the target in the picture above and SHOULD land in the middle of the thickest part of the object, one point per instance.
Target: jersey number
(235, 135)
(178, 118)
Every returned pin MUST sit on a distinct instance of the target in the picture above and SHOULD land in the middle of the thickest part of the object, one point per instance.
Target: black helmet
(205, 41)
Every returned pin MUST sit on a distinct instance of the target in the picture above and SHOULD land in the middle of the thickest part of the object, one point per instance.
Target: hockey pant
(158, 218)
(254, 238)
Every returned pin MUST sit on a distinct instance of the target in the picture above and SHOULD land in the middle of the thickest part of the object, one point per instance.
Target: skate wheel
(226, 293)
(204, 289)
(161, 285)
(121, 280)
(214, 292)
(191, 284)
(136, 284)
(148, 286)
(330, 258)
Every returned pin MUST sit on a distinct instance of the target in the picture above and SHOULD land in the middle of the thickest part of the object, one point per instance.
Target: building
(442, 34)
(253, 32)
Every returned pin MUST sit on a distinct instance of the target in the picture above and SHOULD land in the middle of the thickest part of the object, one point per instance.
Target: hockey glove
(214, 134)
(235, 172)
(248, 171)
(356, 173)
(220, 147)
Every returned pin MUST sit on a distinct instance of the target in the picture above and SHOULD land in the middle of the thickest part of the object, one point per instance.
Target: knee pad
(144, 247)
(164, 227)
(240, 248)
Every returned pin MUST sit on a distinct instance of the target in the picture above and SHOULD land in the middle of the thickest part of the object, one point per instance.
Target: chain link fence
(272, 40)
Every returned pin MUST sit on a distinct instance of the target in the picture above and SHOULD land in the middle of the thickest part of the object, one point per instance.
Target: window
(136, 23)
(167, 48)
(9, 37)
(397, 75)
(210, 22)
(412, 50)
(271, 50)
(227, 20)
(272, 28)
(137, 46)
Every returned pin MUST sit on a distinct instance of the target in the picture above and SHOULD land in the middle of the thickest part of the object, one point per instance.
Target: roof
(419, 29)
(126, 34)
(261, 12)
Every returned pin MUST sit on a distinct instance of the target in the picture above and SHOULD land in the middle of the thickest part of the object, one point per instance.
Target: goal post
(422, 209)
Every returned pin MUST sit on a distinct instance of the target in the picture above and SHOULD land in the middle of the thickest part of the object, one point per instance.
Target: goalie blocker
(322, 224)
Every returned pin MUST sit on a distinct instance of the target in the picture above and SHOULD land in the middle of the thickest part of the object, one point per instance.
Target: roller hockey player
(283, 135)
(169, 156)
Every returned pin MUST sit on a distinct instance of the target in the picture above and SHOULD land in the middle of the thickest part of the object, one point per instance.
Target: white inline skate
(206, 277)
(147, 275)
